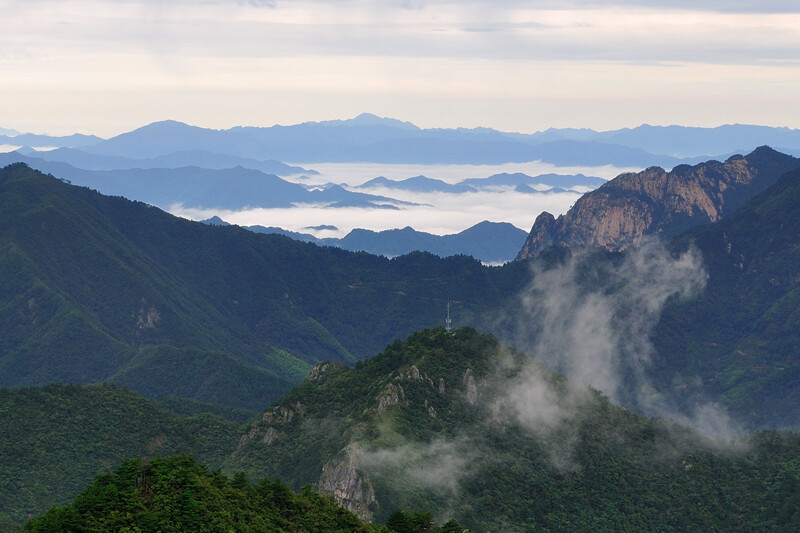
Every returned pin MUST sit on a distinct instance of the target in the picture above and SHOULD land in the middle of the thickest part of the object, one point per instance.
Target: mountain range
(104, 289)
(187, 158)
(656, 202)
(734, 342)
(371, 138)
(517, 180)
(741, 334)
(193, 186)
(213, 319)
(243, 187)
(198, 296)
(449, 424)
(490, 242)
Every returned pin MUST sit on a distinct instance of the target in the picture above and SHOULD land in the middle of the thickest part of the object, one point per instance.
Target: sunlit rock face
(656, 202)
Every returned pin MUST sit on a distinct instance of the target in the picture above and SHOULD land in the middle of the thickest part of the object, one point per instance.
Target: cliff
(656, 202)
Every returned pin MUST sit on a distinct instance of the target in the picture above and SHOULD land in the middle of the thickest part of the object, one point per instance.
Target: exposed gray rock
(391, 394)
(352, 490)
(271, 436)
(471, 387)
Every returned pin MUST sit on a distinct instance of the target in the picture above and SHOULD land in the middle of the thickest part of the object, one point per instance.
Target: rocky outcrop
(278, 416)
(656, 202)
(470, 387)
(321, 371)
(353, 491)
(390, 395)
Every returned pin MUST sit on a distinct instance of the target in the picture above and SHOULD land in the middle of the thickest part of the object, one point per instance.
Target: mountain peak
(655, 202)
(168, 124)
(369, 119)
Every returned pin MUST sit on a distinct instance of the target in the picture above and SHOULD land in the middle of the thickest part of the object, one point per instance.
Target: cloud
(444, 214)
(103, 66)
(506, 30)
(591, 320)
(436, 466)
(259, 3)
(440, 213)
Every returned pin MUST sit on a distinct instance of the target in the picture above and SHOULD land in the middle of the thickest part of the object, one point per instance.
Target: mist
(591, 318)
(437, 466)
(583, 333)
(437, 213)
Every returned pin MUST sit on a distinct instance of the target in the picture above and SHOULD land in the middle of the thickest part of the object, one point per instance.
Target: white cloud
(438, 213)
(447, 214)
(592, 322)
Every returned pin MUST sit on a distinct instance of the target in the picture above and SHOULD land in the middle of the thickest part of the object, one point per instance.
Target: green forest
(208, 378)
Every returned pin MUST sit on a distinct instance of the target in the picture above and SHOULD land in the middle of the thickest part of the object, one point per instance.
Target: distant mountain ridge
(76, 140)
(656, 202)
(428, 185)
(197, 158)
(193, 186)
(489, 242)
(371, 138)
(380, 142)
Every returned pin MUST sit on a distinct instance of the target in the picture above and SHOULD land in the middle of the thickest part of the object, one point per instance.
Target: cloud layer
(437, 213)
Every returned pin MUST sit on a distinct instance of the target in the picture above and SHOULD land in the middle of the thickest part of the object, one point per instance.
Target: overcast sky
(106, 67)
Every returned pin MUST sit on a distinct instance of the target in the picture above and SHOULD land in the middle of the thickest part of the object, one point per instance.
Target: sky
(106, 67)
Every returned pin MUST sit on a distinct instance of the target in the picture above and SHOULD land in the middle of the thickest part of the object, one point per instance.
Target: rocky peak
(319, 372)
(390, 395)
(280, 415)
(656, 202)
(471, 387)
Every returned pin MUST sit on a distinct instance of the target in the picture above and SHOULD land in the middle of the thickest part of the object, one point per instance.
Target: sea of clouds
(438, 213)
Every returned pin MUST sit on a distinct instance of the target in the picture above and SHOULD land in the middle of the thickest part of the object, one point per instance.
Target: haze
(105, 67)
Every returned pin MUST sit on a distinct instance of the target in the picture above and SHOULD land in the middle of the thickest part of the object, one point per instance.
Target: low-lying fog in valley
(440, 213)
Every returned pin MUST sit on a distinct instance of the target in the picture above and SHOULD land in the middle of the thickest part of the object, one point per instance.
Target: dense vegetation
(742, 334)
(170, 494)
(103, 289)
(219, 320)
(177, 494)
(99, 288)
(433, 448)
(55, 439)
(433, 425)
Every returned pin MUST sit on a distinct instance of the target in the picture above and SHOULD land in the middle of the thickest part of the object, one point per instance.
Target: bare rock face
(620, 213)
(321, 370)
(341, 479)
(471, 387)
(390, 395)
(280, 415)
